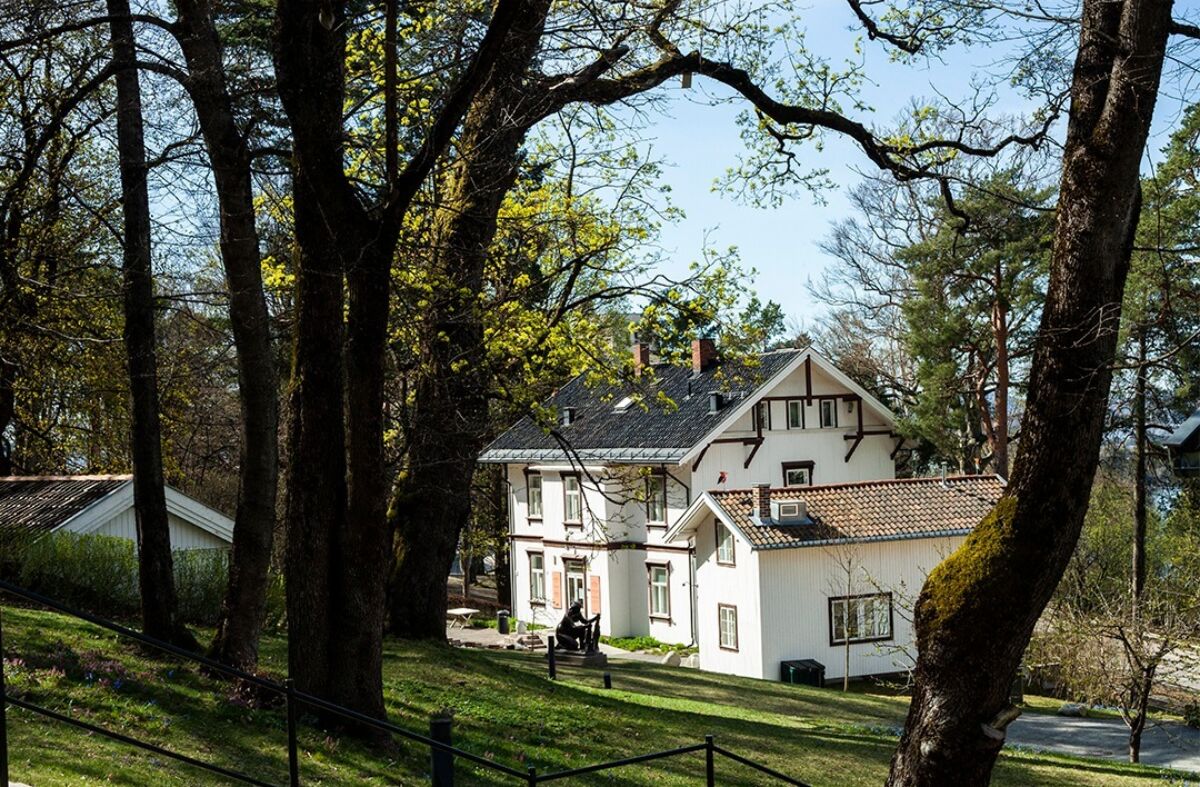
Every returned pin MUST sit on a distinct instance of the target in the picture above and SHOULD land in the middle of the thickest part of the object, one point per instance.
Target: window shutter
(594, 594)
(556, 590)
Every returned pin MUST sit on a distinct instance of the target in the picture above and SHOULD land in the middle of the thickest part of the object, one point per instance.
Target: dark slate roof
(869, 510)
(41, 503)
(1187, 436)
(654, 433)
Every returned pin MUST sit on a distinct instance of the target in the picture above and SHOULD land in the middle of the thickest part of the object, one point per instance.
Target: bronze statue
(575, 632)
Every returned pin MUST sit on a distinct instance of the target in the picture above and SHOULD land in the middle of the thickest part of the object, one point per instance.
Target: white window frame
(829, 406)
(656, 488)
(867, 617)
(725, 537)
(569, 479)
(795, 407)
(572, 569)
(727, 627)
(537, 578)
(664, 570)
(530, 488)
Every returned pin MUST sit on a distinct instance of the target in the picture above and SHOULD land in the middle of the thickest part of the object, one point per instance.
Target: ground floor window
(537, 577)
(866, 618)
(660, 591)
(727, 620)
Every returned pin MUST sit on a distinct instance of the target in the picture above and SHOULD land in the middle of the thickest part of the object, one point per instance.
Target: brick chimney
(760, 498)
(641, 356)
(704, 352)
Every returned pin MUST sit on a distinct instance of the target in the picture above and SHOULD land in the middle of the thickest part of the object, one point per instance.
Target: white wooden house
(616, 505)
(103, 505)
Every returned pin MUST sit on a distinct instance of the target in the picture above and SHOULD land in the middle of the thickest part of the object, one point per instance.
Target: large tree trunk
(156, 574)
(432, 501)
(1139, 481)
(1000, 429)
(976, 612)
(244, 606)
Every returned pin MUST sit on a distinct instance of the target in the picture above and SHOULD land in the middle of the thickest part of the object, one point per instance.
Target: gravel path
(1168, 745)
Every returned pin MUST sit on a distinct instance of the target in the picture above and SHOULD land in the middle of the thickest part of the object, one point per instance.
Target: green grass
(505, 709)
(647, 644)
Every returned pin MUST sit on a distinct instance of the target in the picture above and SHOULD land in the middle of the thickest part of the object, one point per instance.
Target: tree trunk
(155, 569)
(244, 606)
(1139, 481)
(8, 405)
(1000, 428)
(499, 523)
(432, 502)
(977, 610)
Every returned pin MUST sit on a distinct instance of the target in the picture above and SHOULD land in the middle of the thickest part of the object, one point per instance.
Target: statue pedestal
(577, 659)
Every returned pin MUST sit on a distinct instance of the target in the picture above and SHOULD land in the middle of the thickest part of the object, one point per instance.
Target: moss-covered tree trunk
(432, 502)
(975, 614)
(244, 605)
(160, 615)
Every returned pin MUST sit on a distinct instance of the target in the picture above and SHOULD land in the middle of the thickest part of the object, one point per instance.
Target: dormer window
(798, 473)
(656, 500)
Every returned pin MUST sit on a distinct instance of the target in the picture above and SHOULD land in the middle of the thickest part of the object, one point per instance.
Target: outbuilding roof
(38, 504)
(1186, 436)
(856, 512)
(600, 431)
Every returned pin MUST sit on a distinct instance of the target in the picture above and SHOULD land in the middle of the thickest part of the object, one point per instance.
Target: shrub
(98, 573)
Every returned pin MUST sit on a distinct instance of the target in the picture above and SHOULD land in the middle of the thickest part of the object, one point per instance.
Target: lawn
(505, 709)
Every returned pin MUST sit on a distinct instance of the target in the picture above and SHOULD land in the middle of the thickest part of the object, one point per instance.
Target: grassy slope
(505, 708)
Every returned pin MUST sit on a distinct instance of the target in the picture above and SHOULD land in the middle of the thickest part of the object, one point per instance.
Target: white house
(609, 507)
(103, 505)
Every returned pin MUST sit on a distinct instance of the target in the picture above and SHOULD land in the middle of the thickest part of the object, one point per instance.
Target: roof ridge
(877, 482)
(96, 477)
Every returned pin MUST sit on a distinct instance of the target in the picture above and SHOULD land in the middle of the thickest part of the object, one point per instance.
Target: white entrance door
(576, 584)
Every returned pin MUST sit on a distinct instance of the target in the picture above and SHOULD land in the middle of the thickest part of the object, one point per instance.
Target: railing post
(710, 773)
(533, 780)
(293, 753)
(550, 658)
(441, 762)
(3, 711)
(608, 680)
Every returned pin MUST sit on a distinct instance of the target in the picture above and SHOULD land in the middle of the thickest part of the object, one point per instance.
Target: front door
(576, 583)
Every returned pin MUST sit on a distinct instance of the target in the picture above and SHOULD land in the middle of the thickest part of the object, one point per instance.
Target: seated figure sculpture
(575, 632)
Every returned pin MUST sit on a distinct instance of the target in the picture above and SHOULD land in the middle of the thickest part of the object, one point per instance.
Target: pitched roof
(41, 503)
(601, 432)
(867, 511)
(1187, 435)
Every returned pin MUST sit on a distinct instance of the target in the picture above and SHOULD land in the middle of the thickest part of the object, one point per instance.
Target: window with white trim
(660, 591)
(537, 577)
(795, 414)
(797, 473)
(533, 494)
(656, 499)
(725, 555)
(572, 499)
(727, 624)
(866, 618)
(828, 413)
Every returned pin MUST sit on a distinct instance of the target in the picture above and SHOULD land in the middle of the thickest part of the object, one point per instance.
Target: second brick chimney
(704, 353)
(760, 499)
(641, 356)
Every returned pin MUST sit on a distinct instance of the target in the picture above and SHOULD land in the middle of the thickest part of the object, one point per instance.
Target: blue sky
(700, 141)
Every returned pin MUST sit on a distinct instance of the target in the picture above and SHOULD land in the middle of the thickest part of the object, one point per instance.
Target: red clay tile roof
(869, 510)
(41, 503)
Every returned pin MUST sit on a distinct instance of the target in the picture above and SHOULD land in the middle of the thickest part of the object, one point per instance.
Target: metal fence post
(608, 680)
(550, 657)
(293, 754)
(533, 779)
(441, 762)
(710, 773)
(3, 712)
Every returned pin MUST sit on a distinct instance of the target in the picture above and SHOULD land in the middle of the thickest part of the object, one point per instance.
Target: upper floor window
(797, 473)
(828, 413)
(866, 618)
(533, 494)
(725, 556)
(656, 499)
(795, 414)
(762, 416)
(572, 500)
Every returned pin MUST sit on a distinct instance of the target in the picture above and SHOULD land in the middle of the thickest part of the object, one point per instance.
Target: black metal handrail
(294, 698)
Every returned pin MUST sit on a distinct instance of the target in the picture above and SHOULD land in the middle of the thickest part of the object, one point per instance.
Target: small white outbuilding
(103, 505)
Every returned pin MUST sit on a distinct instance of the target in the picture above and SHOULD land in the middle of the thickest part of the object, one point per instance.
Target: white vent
(789, 512)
